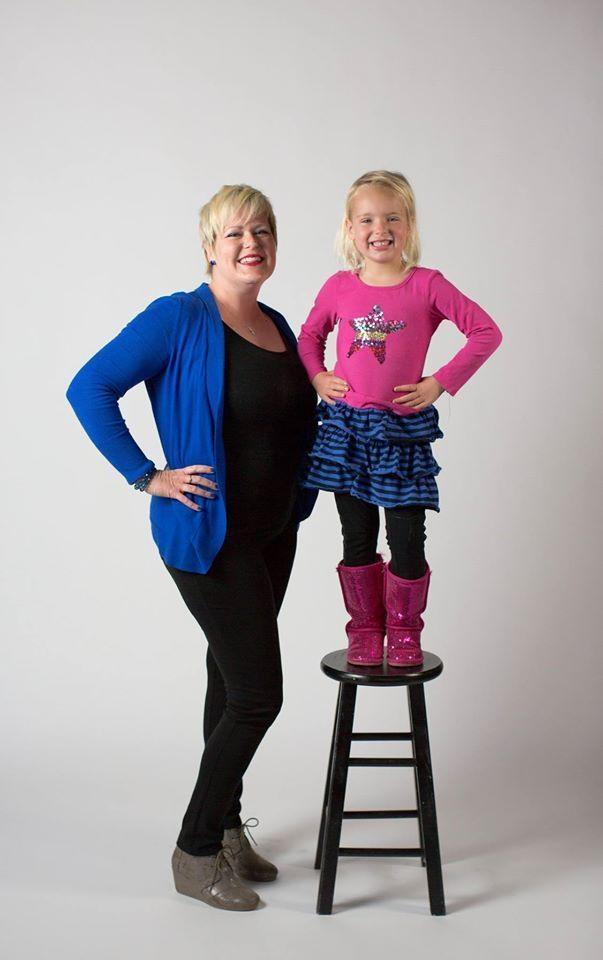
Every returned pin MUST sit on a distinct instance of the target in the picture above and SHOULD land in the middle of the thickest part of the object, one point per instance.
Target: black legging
(405, 531)
(236, 605)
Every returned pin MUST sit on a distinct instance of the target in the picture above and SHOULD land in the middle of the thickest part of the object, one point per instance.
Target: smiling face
(244, 251)
(378, 225)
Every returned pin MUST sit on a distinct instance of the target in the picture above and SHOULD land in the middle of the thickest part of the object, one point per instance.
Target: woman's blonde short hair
(388, 180)
(227, 202)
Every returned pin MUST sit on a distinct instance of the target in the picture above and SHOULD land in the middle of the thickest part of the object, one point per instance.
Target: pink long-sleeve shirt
(384, 332)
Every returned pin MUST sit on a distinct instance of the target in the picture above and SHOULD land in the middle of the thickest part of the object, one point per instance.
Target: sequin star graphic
(371, 331)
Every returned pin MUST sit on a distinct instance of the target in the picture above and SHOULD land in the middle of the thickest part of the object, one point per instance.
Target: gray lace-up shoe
(212, 880)
(246, 862)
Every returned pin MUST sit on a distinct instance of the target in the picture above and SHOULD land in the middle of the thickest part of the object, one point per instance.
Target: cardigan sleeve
(319, 324)
(140, 352)
(483, 335)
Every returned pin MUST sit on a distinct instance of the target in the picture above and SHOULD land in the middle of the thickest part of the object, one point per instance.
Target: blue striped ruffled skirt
(375, 455)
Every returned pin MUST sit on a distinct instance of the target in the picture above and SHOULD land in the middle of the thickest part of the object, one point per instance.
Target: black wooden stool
(336, 666)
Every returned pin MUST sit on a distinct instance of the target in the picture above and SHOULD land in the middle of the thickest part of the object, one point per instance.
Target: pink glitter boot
(405, 601)
(362, 589)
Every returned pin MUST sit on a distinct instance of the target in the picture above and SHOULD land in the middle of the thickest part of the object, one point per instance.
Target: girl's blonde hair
(229, 200)
(388, 180)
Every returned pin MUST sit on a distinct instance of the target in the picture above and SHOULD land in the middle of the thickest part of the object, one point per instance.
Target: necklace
(251, 329)
(233, 320)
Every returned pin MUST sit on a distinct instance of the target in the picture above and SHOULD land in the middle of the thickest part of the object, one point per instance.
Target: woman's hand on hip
(329, 387)
(420, 395)
(175, 484)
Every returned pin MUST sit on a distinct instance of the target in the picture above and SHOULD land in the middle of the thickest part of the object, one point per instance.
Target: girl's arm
(483, 335)
(140, 352)
(321, 321)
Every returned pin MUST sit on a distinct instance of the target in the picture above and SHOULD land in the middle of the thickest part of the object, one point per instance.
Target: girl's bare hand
(419, 395)
(329, 387)
(175, 484)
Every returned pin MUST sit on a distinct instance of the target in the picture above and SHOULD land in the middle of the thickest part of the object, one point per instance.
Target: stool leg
(344, 725)
(418, 719)
(418, 804)
(323, 817)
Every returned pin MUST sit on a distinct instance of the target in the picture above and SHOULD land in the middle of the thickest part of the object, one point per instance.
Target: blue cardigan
(176, 346)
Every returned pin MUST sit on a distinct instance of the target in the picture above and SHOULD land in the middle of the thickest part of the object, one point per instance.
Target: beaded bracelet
(143, 482)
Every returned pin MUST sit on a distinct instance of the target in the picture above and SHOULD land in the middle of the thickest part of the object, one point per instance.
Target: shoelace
(245, 828)
(222, 864)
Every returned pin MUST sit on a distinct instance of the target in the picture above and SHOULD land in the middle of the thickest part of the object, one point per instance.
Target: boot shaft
(362, 589)
(405, 600)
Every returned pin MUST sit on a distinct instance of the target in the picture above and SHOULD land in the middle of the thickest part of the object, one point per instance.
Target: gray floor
(533, 889)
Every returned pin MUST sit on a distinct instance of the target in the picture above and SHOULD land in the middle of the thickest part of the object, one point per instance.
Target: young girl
(376, 417)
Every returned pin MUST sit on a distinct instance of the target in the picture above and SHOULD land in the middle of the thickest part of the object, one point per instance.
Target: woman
(234, 410)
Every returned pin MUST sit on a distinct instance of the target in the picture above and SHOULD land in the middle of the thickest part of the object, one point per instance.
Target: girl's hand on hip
(175, 484)
(419, 395)
(329, 387)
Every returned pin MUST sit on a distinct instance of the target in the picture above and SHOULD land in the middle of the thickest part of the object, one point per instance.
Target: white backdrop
(119, 120)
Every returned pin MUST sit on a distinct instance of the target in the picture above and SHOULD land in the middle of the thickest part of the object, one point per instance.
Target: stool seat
(335, 665)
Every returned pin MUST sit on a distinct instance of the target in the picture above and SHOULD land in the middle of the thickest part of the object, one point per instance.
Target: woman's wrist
(142, 483)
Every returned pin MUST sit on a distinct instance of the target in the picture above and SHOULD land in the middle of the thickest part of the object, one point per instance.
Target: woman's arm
(140, 352)
(483, 335)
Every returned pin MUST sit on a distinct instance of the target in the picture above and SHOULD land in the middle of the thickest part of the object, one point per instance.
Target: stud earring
(213, 263)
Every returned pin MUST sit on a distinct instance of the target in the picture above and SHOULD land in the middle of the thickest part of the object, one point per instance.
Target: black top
(269, 405)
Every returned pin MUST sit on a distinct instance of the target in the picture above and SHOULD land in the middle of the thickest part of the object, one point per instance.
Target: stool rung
(381, 762)
(379, 814)
(382, 736)
(381, 851)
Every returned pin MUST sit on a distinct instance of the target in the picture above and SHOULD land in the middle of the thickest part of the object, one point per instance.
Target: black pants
(236, 605)
(405, 531)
